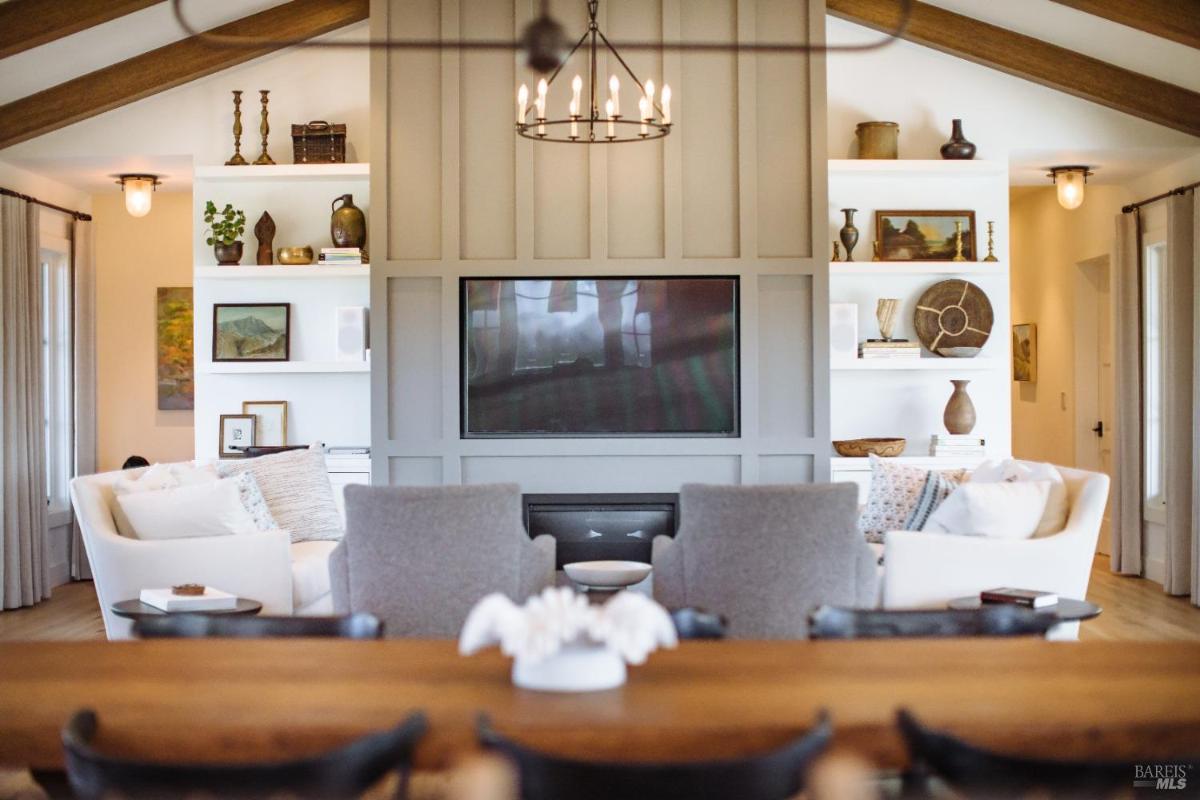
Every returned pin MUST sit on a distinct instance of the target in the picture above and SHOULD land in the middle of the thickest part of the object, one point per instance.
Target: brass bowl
(293, 256)
(860, 448)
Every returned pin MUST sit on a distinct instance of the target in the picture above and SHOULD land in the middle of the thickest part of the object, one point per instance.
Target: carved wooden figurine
(264, 230)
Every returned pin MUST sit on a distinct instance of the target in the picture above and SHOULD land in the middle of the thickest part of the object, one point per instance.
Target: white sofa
(925, 570)
(286, 578)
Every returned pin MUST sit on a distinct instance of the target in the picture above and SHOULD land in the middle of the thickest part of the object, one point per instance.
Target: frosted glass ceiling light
(139, 193)
(1069, 181)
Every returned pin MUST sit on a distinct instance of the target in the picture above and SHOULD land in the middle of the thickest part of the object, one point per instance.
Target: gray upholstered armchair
(419, 558)
(765, 556)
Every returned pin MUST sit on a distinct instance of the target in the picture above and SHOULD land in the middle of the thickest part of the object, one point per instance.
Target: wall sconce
(139, 192)
(1069, 182)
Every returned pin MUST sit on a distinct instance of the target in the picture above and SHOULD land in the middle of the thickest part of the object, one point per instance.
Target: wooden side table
(1066, 609)
(136, 609)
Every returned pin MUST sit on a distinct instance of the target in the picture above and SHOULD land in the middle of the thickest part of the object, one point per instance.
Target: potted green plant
(225, 228)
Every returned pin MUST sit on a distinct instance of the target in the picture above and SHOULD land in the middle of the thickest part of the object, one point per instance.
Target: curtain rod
(79, 215)
(1157, 197)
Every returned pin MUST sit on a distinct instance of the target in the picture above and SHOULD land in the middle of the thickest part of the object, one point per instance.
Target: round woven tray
(953, 313)
(860, 448)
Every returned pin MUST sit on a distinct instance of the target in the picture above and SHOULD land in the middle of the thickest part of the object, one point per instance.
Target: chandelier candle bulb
(577, 90)
(522, 102)
(644, 107)
(666, 104)
(649, 96)
(574, 110)
(614, 88)
(612, 125)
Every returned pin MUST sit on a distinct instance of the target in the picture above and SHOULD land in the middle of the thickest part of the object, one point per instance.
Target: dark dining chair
(775, 775)
(202, 626)
(696, 623)
(984, 775)
(831, 622)
(345, 771)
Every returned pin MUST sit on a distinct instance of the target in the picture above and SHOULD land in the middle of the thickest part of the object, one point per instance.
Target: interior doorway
(1094, 413)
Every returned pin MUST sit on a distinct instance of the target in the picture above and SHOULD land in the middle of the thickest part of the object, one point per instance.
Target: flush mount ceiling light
(1069, 181)
(653, 121)
(139, 192)
(543, 42)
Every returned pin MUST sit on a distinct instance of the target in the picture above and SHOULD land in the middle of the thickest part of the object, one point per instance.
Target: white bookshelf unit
(907, 398)
(328, 400)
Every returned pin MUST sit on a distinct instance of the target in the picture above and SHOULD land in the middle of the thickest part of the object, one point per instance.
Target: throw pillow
(296, 487)
(1005, 510)
(201, 509)
(894, 496)
(254, 502)
(1058, 506)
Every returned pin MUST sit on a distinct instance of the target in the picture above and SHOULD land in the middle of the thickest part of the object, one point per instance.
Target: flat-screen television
(611, 356)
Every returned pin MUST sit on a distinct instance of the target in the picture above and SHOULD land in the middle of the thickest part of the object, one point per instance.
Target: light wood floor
(1134, 609)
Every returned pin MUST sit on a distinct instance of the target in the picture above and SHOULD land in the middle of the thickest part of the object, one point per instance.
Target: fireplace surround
(593, 527)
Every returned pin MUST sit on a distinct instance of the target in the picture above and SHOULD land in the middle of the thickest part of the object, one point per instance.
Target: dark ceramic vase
(348, 225)
(228, 255)
(958, 148)
(849, 233)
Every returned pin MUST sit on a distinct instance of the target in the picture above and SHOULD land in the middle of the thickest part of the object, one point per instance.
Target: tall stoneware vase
(959, 417)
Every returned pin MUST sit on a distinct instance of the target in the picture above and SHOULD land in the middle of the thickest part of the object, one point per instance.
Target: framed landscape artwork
(237, 433)
(923, 235)
(270, 429)
(1024, 348)
(251, 331)
(174, 363)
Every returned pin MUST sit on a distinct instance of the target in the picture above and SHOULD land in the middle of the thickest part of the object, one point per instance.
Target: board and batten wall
(738, 188)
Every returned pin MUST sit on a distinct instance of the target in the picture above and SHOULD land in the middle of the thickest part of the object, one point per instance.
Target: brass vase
(348, 226)
(959, 417)
(849, 233)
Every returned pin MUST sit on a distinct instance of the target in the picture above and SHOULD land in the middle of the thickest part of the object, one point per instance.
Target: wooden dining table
(238, 700)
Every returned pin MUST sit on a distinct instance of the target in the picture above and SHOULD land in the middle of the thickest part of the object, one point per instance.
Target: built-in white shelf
(281, 272)
(255, 172)
(932, 363)
(966, 269)
(275, 367)
(930, 462)
(915, 167)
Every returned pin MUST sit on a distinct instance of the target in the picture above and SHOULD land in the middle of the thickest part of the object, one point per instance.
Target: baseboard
(60, 573)
(1155, 570)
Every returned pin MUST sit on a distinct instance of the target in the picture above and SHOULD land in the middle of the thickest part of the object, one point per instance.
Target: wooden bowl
(861, 448)
(293, 256)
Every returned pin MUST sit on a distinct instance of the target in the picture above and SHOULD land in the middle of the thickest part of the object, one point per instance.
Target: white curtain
(1182, 417)
(1127, 357)
(84, 358)
(24, 567)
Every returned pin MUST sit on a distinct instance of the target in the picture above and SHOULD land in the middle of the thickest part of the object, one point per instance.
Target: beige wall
(1048, 243)
(133, 258)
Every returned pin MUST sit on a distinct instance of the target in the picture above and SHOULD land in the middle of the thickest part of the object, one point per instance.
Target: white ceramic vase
(576, 667)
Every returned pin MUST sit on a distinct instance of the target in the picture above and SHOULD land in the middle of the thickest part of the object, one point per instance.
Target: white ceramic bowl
(607, 574)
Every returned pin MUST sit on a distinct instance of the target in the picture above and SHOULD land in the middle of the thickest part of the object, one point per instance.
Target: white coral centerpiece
(559, 642)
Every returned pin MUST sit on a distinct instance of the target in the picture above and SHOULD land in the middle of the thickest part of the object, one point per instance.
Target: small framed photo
(251, 332)
(270, 421)
(237, 433)
(1024, 352)
(923, 235)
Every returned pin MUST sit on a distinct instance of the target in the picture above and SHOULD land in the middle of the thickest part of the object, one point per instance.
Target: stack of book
(889, 348)
(944, 444)
(341, 256)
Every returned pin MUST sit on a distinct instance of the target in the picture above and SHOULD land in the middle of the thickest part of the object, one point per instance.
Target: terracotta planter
(959, 417)
(228, 255)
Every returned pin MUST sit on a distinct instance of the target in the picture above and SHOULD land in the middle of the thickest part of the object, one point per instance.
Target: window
(55, 258)
(1154, 359)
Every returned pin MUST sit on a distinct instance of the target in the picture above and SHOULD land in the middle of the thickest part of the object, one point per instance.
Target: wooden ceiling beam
(1032, 59)
(25, 24)
(1177, 20)
(170, 66)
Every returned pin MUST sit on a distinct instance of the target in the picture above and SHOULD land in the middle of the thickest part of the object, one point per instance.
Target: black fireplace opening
(602, 527)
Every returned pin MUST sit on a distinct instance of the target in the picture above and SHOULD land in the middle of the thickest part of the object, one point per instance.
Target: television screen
(600, 357)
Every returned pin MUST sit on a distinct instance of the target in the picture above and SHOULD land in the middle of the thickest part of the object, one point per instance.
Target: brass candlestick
(991, 256)
(958, 255)
(264, 128)
(837, 254)
(875, 253)
(236, 160)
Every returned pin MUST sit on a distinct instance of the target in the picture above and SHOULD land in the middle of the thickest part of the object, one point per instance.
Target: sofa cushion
(200, 509)
(894, 496)
(1004, 510)
(297, 490)
(1058, 505)
(310, 571)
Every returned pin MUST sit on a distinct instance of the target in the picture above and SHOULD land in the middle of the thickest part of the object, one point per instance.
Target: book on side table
(211, 600)
(1019, 597)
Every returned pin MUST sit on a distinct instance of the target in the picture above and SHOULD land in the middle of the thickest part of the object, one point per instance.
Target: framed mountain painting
(251, 331)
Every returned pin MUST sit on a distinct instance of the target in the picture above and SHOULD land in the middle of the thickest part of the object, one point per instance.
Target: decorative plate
(953, 314)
